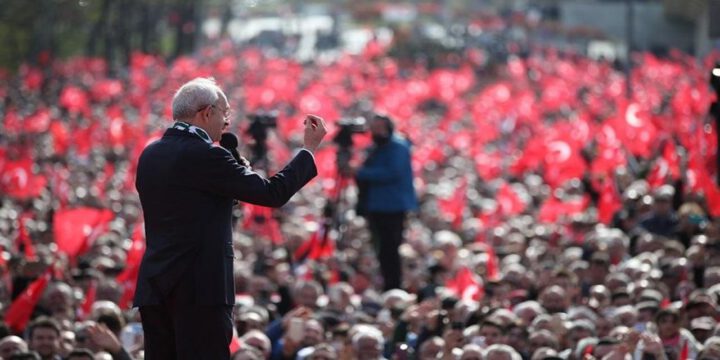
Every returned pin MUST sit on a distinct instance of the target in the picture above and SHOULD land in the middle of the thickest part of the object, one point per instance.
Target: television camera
(258, 130)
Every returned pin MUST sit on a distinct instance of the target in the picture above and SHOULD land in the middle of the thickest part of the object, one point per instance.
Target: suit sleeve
(216, 171)
(121, 355)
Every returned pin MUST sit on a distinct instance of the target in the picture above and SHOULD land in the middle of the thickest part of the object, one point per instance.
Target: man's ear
(204, 115)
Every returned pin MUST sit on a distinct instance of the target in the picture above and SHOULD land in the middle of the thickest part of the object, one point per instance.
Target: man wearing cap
(673, 337)
(662, 219)
(699, 304)
(702, 328)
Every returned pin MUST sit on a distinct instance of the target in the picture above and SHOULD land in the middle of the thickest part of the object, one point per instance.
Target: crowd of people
(559, 217)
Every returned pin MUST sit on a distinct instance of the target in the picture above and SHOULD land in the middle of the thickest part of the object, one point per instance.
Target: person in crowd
(322, 351)
(27, 355)
(257, 339)
(80, 354)
(673, 336)
(662, 220)
(387, 194)
(185, 287)
(501, 352)
(367, 343)
(12, 344)
(43, 336)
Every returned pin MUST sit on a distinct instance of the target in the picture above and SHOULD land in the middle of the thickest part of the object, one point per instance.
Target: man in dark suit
(187, 186)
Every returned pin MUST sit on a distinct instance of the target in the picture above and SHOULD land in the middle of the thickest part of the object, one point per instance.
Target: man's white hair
(363, 331)
(194, 95)
(335, 291)
(502, 349)
(254, 333)
(529, 304)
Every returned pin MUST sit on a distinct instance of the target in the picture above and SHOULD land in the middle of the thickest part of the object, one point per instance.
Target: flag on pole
(19, 313)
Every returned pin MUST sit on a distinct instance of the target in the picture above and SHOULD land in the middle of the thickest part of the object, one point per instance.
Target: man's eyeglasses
(226, 112)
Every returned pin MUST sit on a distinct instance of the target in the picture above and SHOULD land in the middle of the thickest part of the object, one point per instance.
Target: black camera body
(354, 125)
(258, 129)
(348, 127)
(265, 119)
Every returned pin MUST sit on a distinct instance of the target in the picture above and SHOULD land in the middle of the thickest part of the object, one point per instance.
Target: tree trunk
(144, 28)
(97, 30)
(44, 27)
(123, 30)
(185, 28)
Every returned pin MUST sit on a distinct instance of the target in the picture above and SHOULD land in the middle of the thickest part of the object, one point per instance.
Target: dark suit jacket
(187, 188)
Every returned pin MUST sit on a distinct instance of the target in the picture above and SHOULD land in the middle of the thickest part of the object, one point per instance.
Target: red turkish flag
(306, 248)
(12, 122)
(684, 351)
(609, 202)
(531, 157)
(39, 122)
(428, 152)
(700, 181)
(18, 180)
(556, 93)
(24, 240)
(319, 246)
(316, 100)
(185, 67)
(493, 268)
(235, 344)
(672, 159)
(32, 77)
(453, 206)
(488, 165)
(636, 130)
(76, 229)
(610, 154)
(509, 202)
(128, 277)
(74, 100)
(18, 314)
(107, 89)
(259, 220)
(89, 300)
(60, 137)
(553, 210)
(465, 285)
(226, 66)
(562, 163)
(373, 49)
(658, 174)
(326, 246)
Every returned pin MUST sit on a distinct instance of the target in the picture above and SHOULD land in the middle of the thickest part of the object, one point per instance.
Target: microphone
(230, 142)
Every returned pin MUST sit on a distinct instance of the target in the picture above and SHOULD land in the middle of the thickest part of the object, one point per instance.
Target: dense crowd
(559, 219)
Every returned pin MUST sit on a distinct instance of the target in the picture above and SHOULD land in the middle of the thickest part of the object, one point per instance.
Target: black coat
(187, 188)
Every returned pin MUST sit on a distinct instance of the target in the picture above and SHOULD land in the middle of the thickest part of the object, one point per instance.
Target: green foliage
(107, 28)
(16, 19)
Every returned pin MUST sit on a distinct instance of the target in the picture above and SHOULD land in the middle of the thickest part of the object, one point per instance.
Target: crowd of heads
(577, 286)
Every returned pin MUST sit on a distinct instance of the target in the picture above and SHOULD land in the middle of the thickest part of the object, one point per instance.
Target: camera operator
(387, 194)
(260, 123)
